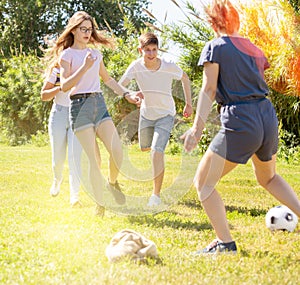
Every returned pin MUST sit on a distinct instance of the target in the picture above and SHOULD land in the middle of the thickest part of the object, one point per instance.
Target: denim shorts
(247, 128)
(88, 112)
(155, 134)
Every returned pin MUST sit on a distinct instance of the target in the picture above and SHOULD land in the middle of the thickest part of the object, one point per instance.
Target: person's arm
(186, 85)
(67, 80)
(132, 97)
(206, 97)
(49, 91)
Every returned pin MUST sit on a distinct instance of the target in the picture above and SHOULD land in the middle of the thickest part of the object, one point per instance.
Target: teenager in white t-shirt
(154, 77)
(62, 137)
(81, 70)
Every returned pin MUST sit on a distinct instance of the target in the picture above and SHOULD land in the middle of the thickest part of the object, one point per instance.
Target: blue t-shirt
(241, 69)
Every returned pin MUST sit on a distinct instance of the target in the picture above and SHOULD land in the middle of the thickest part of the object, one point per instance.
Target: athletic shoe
(154, 201)
(55, 188)
(99, 211)
(116, 191)
(216, 247)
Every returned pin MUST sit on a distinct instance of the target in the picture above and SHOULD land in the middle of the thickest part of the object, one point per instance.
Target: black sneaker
(217, 247)
(116, 191)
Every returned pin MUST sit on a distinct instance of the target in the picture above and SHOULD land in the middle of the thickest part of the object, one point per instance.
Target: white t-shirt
(90, 81)
(156, 86)
(61, 98)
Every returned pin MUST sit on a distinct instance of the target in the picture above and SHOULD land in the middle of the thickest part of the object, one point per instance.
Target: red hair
(223, 16)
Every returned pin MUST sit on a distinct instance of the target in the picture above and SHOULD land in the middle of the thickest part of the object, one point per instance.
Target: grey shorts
(247, 129)
(155, 134)
(88, 111)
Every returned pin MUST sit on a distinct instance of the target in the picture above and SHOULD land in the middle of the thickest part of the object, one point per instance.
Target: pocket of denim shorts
(76, 106)
(77, 101)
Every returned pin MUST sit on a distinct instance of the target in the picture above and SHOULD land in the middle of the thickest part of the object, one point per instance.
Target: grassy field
(45, 241)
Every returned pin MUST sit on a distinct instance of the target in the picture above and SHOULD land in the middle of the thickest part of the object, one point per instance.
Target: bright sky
(159, 8)
(167, 12)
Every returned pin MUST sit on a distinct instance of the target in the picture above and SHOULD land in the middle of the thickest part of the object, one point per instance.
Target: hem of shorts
(231, 160)
(91, 125)
(83, 127)
(101, 121)
(158, 150)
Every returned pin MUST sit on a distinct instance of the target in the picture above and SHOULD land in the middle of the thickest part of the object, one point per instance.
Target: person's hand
(187, 110)
(135, 98)
(89, 60)
(191, 138)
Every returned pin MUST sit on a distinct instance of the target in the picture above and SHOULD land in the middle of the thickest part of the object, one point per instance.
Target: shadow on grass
(168, 221)
(253, 212)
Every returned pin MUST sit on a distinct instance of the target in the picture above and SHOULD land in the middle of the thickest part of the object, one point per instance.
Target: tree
(24, 24)
(274, 26)
(111, 14)
(296, 5)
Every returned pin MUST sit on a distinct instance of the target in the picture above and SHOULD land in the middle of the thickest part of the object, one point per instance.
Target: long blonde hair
(66, 39)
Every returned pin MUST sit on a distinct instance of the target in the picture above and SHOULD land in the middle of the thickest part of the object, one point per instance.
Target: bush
(21, 109)
(288, 113)
(289, 146)
(40, 139)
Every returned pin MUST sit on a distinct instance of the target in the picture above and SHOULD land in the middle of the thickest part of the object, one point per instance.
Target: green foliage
(296, 5)
(116, 62)
(289, 147)
(25, 24)
(40, 139)
(110, 14)
(288, 113)
(22, 111)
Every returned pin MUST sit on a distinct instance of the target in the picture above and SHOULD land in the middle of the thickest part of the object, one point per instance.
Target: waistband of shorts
(84, 95)
(250, 101)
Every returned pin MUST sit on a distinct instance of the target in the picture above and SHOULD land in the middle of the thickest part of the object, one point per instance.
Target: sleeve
(130, 72)
(66, 56)
(208, 54)
(177, 71)
(53, 77)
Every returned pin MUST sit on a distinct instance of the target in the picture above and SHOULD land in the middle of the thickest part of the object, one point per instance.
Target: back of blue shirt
(241, 69)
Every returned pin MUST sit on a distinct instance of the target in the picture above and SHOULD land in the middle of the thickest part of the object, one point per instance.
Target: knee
(264, 181)
(203, 191)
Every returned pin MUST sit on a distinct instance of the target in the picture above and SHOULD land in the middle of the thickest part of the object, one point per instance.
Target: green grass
(45, 241)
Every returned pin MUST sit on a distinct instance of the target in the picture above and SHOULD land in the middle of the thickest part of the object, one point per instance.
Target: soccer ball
(281, 218)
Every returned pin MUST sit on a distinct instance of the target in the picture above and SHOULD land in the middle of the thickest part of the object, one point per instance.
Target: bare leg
(266, 176)
(87, 139)
(158, 167)
(107, 133)
(211, 169)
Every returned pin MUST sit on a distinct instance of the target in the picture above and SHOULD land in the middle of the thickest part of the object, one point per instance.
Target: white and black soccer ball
(281, 218)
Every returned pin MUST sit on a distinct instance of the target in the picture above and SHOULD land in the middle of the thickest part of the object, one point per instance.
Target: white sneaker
(154, 201)
(76, 204)
(55, 188)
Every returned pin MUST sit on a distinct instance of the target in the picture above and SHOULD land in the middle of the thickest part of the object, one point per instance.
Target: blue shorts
(247, 128)
(88, 111)
(155, 134)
